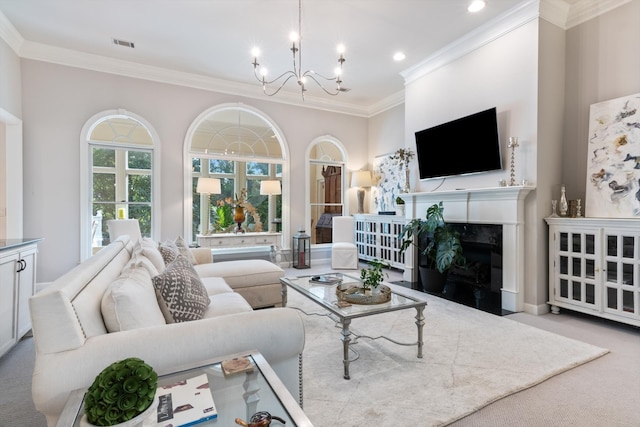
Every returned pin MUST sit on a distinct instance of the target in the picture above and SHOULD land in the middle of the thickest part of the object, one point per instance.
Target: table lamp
(361, 179)
(270, 188)
(208, 186)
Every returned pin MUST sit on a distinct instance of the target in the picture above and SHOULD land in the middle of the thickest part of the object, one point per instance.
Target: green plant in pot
(372, 275)
(442, 249)
(121, 392)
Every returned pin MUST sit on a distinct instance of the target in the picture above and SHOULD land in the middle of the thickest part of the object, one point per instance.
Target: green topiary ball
(120, 392)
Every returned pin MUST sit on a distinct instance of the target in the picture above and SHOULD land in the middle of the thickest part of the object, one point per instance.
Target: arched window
(326, 182)
(241, 147)
(120, 176)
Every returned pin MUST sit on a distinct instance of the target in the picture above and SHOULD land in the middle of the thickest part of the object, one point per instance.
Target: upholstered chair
(120, 227)
(344, 253)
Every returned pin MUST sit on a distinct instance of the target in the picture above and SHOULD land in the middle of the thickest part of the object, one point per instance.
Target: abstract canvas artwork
(390, 181)
(613, 163)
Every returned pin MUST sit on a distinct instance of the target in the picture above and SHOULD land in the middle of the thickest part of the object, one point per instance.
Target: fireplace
(503, 206)
(479, 283)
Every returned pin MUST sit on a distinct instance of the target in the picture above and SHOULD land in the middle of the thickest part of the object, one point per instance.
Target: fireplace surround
(501, 206)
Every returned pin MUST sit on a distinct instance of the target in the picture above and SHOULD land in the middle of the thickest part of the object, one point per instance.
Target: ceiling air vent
(123, 43)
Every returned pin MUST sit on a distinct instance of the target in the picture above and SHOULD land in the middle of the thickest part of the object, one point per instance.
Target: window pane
(139, 188)
(221, 166)
(104, 157)
(139, 160)
(257, 169)
(196, 165)
(104, 187)
(143, 214)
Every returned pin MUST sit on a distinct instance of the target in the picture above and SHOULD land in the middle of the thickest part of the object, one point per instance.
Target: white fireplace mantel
(499, 205)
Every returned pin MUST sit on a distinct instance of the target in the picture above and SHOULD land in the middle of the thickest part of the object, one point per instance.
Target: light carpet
(471, 359)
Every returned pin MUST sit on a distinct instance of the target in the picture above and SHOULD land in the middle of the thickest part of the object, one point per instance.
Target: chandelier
(272, 87)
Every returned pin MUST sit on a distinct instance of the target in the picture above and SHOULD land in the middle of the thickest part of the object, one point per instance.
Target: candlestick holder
(513, 143)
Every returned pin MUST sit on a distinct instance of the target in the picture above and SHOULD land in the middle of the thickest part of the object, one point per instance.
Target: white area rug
(471, 359)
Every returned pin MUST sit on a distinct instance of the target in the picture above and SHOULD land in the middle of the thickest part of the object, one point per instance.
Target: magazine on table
(186, 403)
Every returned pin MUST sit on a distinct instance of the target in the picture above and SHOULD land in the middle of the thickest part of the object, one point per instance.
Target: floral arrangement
(248, 207)
(120, 392)
(404, 155)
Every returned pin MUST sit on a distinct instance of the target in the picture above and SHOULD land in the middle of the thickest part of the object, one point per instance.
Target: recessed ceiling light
(476, 6)
(399, 56)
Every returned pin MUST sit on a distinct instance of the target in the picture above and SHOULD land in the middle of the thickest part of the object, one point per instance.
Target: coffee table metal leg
(346, 339)
(283, 294)
(420, 324)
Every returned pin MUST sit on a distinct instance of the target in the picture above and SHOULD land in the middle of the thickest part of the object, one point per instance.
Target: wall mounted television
(463, 146)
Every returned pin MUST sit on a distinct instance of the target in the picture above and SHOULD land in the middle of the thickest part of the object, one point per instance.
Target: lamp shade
(208, 186)
(270, 187)
(361, 179)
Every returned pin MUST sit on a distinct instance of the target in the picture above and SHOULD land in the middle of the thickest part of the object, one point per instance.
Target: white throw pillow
(151, 251)
(130, 302)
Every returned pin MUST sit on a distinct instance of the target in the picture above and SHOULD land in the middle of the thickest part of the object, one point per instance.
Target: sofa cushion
(215, 285)
(130, 302)
(138, 260)
(226, 303)
(151, 251)
(243, 273)
(181, 295)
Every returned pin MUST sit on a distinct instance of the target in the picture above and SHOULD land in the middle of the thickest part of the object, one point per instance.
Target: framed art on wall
(613, 162)
(389, 176)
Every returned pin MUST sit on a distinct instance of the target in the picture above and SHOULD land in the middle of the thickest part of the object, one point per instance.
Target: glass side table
(236, 396)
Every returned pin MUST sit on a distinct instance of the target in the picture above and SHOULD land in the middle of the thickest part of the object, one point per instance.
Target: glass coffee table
(325, 296)
(236, 396)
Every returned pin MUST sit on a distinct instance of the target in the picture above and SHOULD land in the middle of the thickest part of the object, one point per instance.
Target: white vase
(400, 210)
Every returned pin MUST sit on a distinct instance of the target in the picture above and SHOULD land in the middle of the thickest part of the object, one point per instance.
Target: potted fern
(438, 242)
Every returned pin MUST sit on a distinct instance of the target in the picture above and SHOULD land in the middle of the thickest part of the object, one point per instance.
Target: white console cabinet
(17, 284)
(231, 240)
(594, 267)
(377, 238)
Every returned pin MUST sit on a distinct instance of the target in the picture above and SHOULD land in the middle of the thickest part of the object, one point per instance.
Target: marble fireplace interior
(479, 283)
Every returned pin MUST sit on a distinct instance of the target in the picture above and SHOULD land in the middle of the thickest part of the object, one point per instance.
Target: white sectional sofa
(105, 310)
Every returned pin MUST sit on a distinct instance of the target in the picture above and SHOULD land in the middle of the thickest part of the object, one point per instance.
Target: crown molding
(585, 10)
(72, 58)
(10, 35)
(555, 12)
(483, 35)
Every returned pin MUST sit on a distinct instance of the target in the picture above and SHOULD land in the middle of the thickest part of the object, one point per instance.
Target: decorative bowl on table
(354, 294)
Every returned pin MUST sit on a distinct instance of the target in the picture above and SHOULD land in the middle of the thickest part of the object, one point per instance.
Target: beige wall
(10, 81)
(602, 63)
(58, 100)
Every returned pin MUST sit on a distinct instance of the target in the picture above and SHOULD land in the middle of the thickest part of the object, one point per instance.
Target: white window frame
(86, 175)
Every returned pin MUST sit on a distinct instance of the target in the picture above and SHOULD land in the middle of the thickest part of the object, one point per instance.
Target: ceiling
(212, 39)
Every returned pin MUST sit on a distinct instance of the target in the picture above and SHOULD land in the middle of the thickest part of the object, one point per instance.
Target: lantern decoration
(301, 249)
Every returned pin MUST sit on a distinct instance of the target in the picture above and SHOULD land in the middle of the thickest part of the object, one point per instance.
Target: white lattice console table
(377, 238)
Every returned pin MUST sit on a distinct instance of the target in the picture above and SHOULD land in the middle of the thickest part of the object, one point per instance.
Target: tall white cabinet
(18, 259)
(594, 267)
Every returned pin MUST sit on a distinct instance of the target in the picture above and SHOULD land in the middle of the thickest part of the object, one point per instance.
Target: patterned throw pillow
(183, 247)
(169, 251)
(181, 295)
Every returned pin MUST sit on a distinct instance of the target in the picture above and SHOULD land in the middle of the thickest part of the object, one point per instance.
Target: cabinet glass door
(577, 268)
(622, 283)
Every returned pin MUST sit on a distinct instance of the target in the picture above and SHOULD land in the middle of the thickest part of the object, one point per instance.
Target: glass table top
(326, 296)
(239, 395)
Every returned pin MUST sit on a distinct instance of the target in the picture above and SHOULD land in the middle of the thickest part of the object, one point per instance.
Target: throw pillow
(130, 302)
(181, 295)
(151, 251)
(183, 247)
(169, 251)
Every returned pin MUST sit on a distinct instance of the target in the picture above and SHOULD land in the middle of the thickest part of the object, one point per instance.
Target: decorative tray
(351, 293)
(326, 279)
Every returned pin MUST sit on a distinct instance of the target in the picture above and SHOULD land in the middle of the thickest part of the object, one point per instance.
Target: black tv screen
(464, 146)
